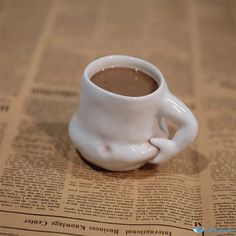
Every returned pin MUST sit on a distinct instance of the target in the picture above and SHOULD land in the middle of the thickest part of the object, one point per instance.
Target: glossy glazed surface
(123, 133)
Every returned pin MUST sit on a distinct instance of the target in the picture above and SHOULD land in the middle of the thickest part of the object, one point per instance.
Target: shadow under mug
(122, 133)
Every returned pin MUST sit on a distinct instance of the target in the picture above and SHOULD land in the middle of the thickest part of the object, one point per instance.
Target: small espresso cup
(120, 133)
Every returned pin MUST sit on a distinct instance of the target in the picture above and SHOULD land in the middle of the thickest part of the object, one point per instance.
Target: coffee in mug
(125, 81)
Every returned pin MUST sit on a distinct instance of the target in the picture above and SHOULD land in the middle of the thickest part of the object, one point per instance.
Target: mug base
(112, 156)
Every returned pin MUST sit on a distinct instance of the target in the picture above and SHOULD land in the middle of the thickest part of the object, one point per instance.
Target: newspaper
(46, 187)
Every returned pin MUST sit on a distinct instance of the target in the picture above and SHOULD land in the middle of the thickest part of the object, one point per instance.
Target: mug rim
(147, 67)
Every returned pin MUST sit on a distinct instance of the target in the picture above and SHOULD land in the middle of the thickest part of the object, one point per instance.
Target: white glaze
(123, 133)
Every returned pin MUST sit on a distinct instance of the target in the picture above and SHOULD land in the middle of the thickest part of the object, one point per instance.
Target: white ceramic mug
(122, 133)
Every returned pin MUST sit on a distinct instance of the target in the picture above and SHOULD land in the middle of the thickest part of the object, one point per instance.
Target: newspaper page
(46, 187)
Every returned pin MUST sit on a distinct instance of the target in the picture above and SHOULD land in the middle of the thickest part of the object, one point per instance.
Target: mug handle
(174, 109)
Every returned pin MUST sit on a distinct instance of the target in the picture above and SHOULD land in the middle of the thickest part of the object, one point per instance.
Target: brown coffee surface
(125, 81)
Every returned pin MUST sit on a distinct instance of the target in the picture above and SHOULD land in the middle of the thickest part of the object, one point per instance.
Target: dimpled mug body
(122, 133)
